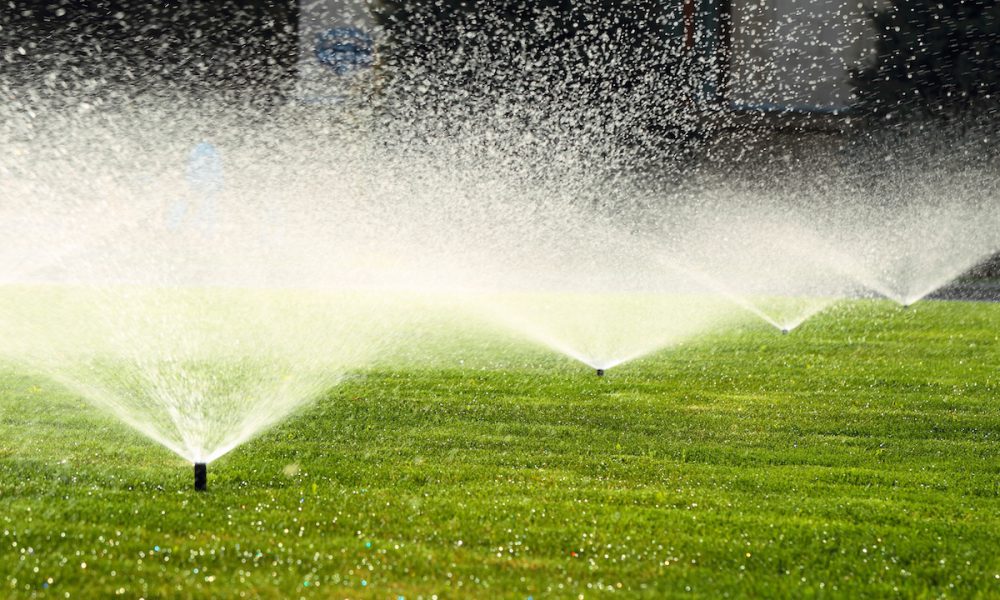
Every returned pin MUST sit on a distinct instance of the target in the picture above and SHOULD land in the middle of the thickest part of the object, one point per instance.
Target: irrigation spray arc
(191, 320)
(208, 271)
(149, 306)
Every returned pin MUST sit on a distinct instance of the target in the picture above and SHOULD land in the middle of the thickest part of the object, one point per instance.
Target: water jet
(200, 477)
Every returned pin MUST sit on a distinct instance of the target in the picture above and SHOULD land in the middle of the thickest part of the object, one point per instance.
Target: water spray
(600, 372)
(200, 477)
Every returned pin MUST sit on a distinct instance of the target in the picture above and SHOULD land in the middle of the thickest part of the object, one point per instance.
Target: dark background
(197, 45)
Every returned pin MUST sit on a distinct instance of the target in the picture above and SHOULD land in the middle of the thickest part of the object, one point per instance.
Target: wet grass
(856, 457)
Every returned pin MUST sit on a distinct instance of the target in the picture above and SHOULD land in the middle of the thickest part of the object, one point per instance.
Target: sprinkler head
(905, 306)
(200, 477)
(784, 332)
(600, 372)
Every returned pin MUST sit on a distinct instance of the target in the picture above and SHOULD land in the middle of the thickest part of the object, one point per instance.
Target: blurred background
(786, 56)
(738, 84)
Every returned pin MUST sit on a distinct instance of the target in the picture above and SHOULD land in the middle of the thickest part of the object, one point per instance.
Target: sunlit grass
(854, 457)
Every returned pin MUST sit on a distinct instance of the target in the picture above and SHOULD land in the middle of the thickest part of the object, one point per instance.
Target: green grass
(857, 457)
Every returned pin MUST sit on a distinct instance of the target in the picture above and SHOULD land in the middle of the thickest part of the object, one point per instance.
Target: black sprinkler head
(200, 477)
(600, 372)
(784, 332)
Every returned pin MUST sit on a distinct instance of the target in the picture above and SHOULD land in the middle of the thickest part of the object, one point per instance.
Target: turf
(856, 457)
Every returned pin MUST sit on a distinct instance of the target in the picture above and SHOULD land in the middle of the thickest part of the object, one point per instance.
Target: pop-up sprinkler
(200, 477)
(600, 372)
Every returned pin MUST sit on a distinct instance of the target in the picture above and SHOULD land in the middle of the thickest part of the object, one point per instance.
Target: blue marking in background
(204, 169)
(205, 179)
(345, 49)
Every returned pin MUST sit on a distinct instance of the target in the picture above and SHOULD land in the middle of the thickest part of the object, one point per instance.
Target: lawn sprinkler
(784, 331)
(200, 477)
(600, 372)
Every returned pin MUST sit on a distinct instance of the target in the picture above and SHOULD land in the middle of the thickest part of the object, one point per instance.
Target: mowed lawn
(857, 457)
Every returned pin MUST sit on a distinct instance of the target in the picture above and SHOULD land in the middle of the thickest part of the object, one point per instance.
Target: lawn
(856, 457)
